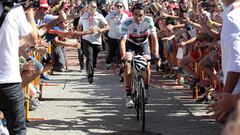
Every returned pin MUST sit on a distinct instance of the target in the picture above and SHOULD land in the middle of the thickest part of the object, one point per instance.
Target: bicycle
(139, 96)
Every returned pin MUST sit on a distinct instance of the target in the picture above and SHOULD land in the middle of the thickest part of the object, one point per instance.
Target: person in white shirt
(115, 19)
(92, 42)
(15, 25)
(230, 49)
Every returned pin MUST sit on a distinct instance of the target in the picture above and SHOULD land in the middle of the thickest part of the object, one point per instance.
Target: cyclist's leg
(145, 52)
(127, 73)
(127, 80)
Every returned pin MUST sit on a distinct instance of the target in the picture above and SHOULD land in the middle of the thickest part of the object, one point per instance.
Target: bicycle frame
(138, 95)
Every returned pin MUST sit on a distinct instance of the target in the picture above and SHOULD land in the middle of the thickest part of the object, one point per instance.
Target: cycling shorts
(142, 49)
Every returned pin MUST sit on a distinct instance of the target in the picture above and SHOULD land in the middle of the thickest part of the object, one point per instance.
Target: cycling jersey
(138, 34)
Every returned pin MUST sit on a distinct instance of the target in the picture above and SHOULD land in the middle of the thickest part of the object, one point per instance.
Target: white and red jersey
(138, 33)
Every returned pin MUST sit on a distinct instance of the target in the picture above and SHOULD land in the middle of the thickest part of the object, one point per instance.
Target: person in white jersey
(135, 34)
(115, 19)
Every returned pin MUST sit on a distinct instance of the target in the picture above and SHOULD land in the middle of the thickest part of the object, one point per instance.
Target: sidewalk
(99, 108)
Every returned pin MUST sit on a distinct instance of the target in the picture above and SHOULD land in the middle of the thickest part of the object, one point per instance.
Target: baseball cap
(43, 4)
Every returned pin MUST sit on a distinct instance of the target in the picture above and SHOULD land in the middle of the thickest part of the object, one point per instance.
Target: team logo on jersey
(147, 20)
(128, 22)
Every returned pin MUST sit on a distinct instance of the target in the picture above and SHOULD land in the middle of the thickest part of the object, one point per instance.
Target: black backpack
(6, 8)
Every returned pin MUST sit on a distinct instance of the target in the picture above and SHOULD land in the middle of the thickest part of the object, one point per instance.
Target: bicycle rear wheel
(141, 98)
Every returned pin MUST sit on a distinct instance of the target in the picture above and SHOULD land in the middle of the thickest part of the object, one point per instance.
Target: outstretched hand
(232, 127)
(225, 103)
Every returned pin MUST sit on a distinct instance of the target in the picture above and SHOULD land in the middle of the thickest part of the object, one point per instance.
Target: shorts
(170, 46)
(142, 49)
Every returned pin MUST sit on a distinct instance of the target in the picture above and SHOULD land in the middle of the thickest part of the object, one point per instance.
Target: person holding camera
(15, 24)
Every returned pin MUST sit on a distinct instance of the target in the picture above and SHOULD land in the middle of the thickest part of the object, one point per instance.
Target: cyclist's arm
(123, 39)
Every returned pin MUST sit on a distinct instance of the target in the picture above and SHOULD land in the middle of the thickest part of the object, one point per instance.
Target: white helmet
(139, 63)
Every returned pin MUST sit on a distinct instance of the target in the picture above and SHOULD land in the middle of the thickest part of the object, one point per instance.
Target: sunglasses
(138, 15)
(119, 6)
(94, 7)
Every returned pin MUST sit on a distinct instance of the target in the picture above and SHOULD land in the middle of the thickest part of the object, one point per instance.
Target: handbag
(179, 53)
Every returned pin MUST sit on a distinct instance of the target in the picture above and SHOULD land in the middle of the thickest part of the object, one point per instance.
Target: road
(99, 108)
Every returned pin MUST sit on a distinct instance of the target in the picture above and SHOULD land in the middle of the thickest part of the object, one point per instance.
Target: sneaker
(129, 102)
(107, 66)
(34, 102)
(44, 77)
(165, 62)
(59, 70)
(205, 99)
(81, 68)
(90, 79)
(32, 107)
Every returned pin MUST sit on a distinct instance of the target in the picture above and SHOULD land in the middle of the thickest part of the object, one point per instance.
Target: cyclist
(138, 34)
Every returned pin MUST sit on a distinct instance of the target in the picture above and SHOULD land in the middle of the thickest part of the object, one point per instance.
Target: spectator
(92, 42)
(230, 47)
(115, 18)
(14, 26)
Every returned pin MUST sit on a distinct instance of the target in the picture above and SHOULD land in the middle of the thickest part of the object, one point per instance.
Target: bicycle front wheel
(142, 102)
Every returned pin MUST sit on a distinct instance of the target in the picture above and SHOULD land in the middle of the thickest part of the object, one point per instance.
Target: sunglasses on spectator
(138, 15)
(94, 7)
(119, 6)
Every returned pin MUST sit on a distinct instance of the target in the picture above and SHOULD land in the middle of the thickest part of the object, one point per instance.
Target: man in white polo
(92, 42)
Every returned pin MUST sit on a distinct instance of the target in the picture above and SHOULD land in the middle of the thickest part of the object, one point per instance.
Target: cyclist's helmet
(139, 63)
